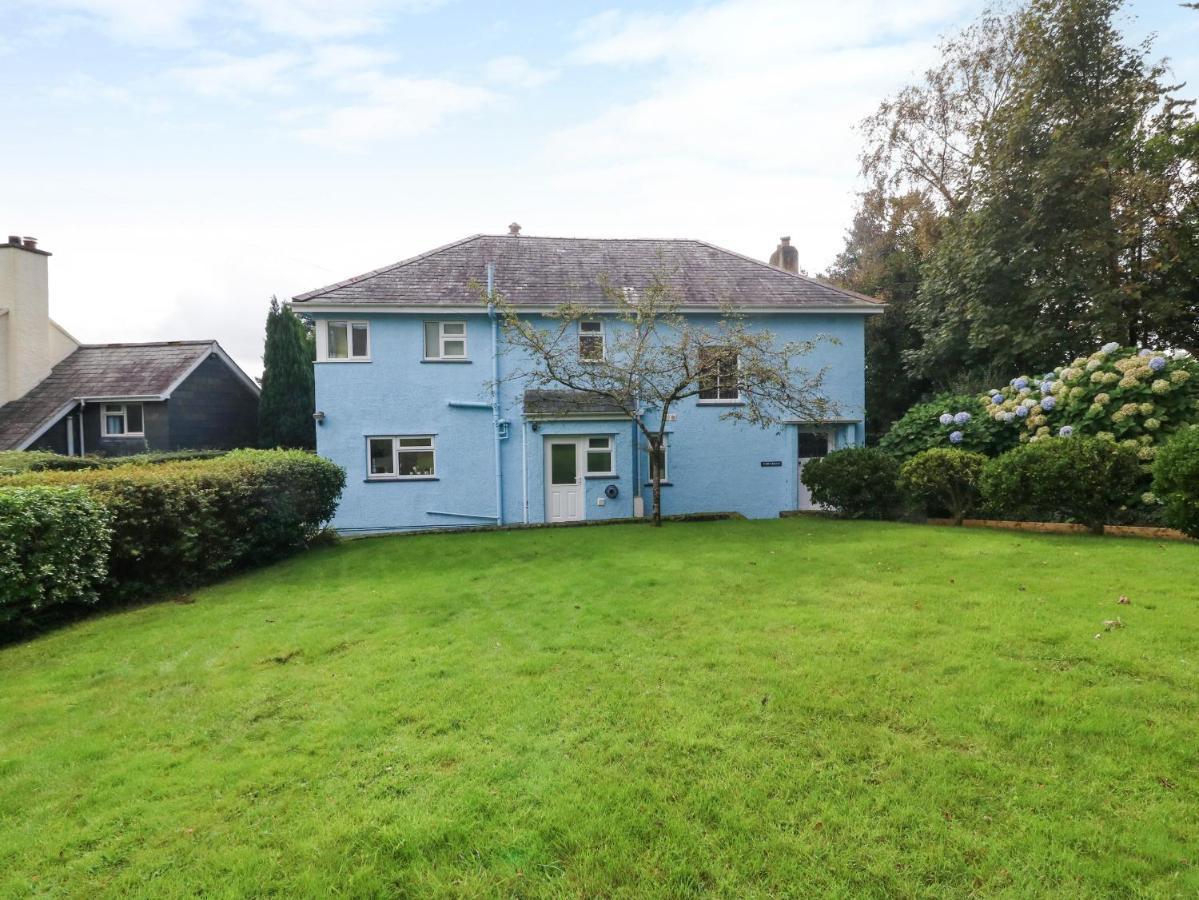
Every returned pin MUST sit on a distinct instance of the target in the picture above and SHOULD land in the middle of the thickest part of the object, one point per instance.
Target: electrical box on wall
(600, 501)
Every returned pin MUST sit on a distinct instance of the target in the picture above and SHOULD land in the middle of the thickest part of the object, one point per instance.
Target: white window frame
(610, 449)
(719, 400)
(599, 332)
(443, 339)
(124, 414)
(649, 461)
(350, 325)
(396, 450)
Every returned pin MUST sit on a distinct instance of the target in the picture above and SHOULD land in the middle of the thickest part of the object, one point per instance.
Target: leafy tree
(654, 357)
(288, 391)
(941, 479)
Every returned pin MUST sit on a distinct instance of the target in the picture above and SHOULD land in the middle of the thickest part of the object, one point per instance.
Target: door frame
(547, 468)
(830, 432)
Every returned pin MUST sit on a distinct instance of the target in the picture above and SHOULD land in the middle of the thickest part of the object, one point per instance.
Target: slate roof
(99, 371)
(547, 271)
(540, 402)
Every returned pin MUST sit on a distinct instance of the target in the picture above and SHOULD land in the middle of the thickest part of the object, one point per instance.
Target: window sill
(608, 476)
(122, 437)
(448, 361)
(357, 359)
(388, 478)
(719, 402)
(650, 484)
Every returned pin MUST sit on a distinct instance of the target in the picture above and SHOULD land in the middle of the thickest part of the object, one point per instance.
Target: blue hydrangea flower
(1022, 411)
(1020, 384)
(962, 418)
(1157, 364)
(1065, 431)
(1047, 387)
(1145, 352)
(946, 419)
(955, 437)
(1048, 402)
(997, 399)
(1008, 417)
(1048, 376)
(1110, 348)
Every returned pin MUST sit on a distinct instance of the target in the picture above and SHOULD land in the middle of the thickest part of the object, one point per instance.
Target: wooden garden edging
(1140, 531)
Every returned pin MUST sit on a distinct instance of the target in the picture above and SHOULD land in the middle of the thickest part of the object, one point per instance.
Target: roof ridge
(308, 295)
(190, 343)
(808, 278)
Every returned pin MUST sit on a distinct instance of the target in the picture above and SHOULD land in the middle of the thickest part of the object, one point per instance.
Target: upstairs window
(599, 456)
(123, 420)
(348, 340)
(401, 456)
(718, 374)
(591, 341)
(445, 340)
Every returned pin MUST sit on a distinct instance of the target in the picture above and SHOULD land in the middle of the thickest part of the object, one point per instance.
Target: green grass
(740, 709)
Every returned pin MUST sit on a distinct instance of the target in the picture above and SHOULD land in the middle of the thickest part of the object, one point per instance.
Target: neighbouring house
(58, 394)
(405, 357)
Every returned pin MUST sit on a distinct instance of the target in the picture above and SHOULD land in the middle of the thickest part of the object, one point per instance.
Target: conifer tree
(288, 393)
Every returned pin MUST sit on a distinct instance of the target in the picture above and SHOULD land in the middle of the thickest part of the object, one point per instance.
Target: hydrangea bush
(956, 421)
(1136, 398)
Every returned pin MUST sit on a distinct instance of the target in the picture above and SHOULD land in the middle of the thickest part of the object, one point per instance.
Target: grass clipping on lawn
(735, 708)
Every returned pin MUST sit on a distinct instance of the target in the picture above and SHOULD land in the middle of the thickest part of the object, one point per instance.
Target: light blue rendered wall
(714, 465)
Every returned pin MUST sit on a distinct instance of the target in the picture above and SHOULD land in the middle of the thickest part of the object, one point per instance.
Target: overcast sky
(186, 159)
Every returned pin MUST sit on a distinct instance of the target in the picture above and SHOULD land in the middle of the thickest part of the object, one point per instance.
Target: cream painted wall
(30, 343)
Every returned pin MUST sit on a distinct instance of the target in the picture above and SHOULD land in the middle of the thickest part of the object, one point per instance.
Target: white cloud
(155, 22)
(516, 71)
(338, 59)
(222, 75)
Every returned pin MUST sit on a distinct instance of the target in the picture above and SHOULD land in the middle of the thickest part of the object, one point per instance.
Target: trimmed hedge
(1176, 480)
(53, 549)
(859, 482)
(177, 524)
(942, 479)
(1078, 478)
(14, 462)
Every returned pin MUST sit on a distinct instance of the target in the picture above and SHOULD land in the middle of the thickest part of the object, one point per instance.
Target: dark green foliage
(53, 549)
(178, 524)
(288, 389)
(1081, 479)
(941, 479)
(15, 461)
(1176, 480)
(920, 429)
(858, 482)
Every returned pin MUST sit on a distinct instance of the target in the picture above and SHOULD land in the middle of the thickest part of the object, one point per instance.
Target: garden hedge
(941, 480)
(858, 482)
(53, 549)
(1176, 480)
(1083, 479)
(177, 524)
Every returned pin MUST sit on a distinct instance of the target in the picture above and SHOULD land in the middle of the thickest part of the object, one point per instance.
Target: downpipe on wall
(497, 424)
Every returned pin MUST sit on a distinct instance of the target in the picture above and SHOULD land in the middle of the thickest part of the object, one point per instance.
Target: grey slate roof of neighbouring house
(540, 402)
(547, 271)
(101, 371)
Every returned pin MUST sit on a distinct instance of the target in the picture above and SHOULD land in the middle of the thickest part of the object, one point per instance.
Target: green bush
(176, 524)
(53, 549)
(1176, 480)
(859, 482)
(941, 479)
(922, 428)
(13, 462)
(1077, 478)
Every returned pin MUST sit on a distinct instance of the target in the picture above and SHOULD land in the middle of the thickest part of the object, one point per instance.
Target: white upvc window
(445, 340)
(347, 340)
(398, 457)
(591, 340)
(665, 459)
(122, 420)
(600, 458)
(718, 379)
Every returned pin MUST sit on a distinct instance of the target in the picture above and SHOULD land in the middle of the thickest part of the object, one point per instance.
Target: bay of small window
(599, 456)
(347, 340)
(445, 340)
(591, 341)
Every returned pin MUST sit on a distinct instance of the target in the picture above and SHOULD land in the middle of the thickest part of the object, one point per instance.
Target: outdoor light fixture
(319, 417)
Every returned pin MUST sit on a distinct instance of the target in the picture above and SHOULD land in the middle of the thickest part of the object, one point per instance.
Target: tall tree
(288, 391)
(1077, 214)
(653, 357)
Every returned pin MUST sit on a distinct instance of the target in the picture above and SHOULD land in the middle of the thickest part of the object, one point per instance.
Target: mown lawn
(740, 709)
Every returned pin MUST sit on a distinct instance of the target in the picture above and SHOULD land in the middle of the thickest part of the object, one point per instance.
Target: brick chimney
(30, 344)
(785, 256)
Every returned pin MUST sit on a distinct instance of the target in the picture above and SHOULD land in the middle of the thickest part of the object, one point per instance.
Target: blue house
(407, 354)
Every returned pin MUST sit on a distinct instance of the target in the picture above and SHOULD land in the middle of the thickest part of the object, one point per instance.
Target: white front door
(563, 480)
(813, 444)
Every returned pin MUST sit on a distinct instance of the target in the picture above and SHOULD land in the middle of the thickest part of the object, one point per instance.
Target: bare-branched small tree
(652, 356)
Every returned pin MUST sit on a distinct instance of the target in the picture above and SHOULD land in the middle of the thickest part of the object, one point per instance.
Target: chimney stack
(29, 243)
(785, 256)
(514, 229)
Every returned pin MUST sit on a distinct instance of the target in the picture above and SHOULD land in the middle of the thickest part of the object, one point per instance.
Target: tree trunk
(657, 500)
(1096, 527)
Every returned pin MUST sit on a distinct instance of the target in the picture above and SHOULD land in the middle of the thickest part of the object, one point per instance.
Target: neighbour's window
(718, 374)
(401, 456)
(123, 420)
(348, 340)
(591, 341)
(599, 456)
(445, 340)
(663, 460)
